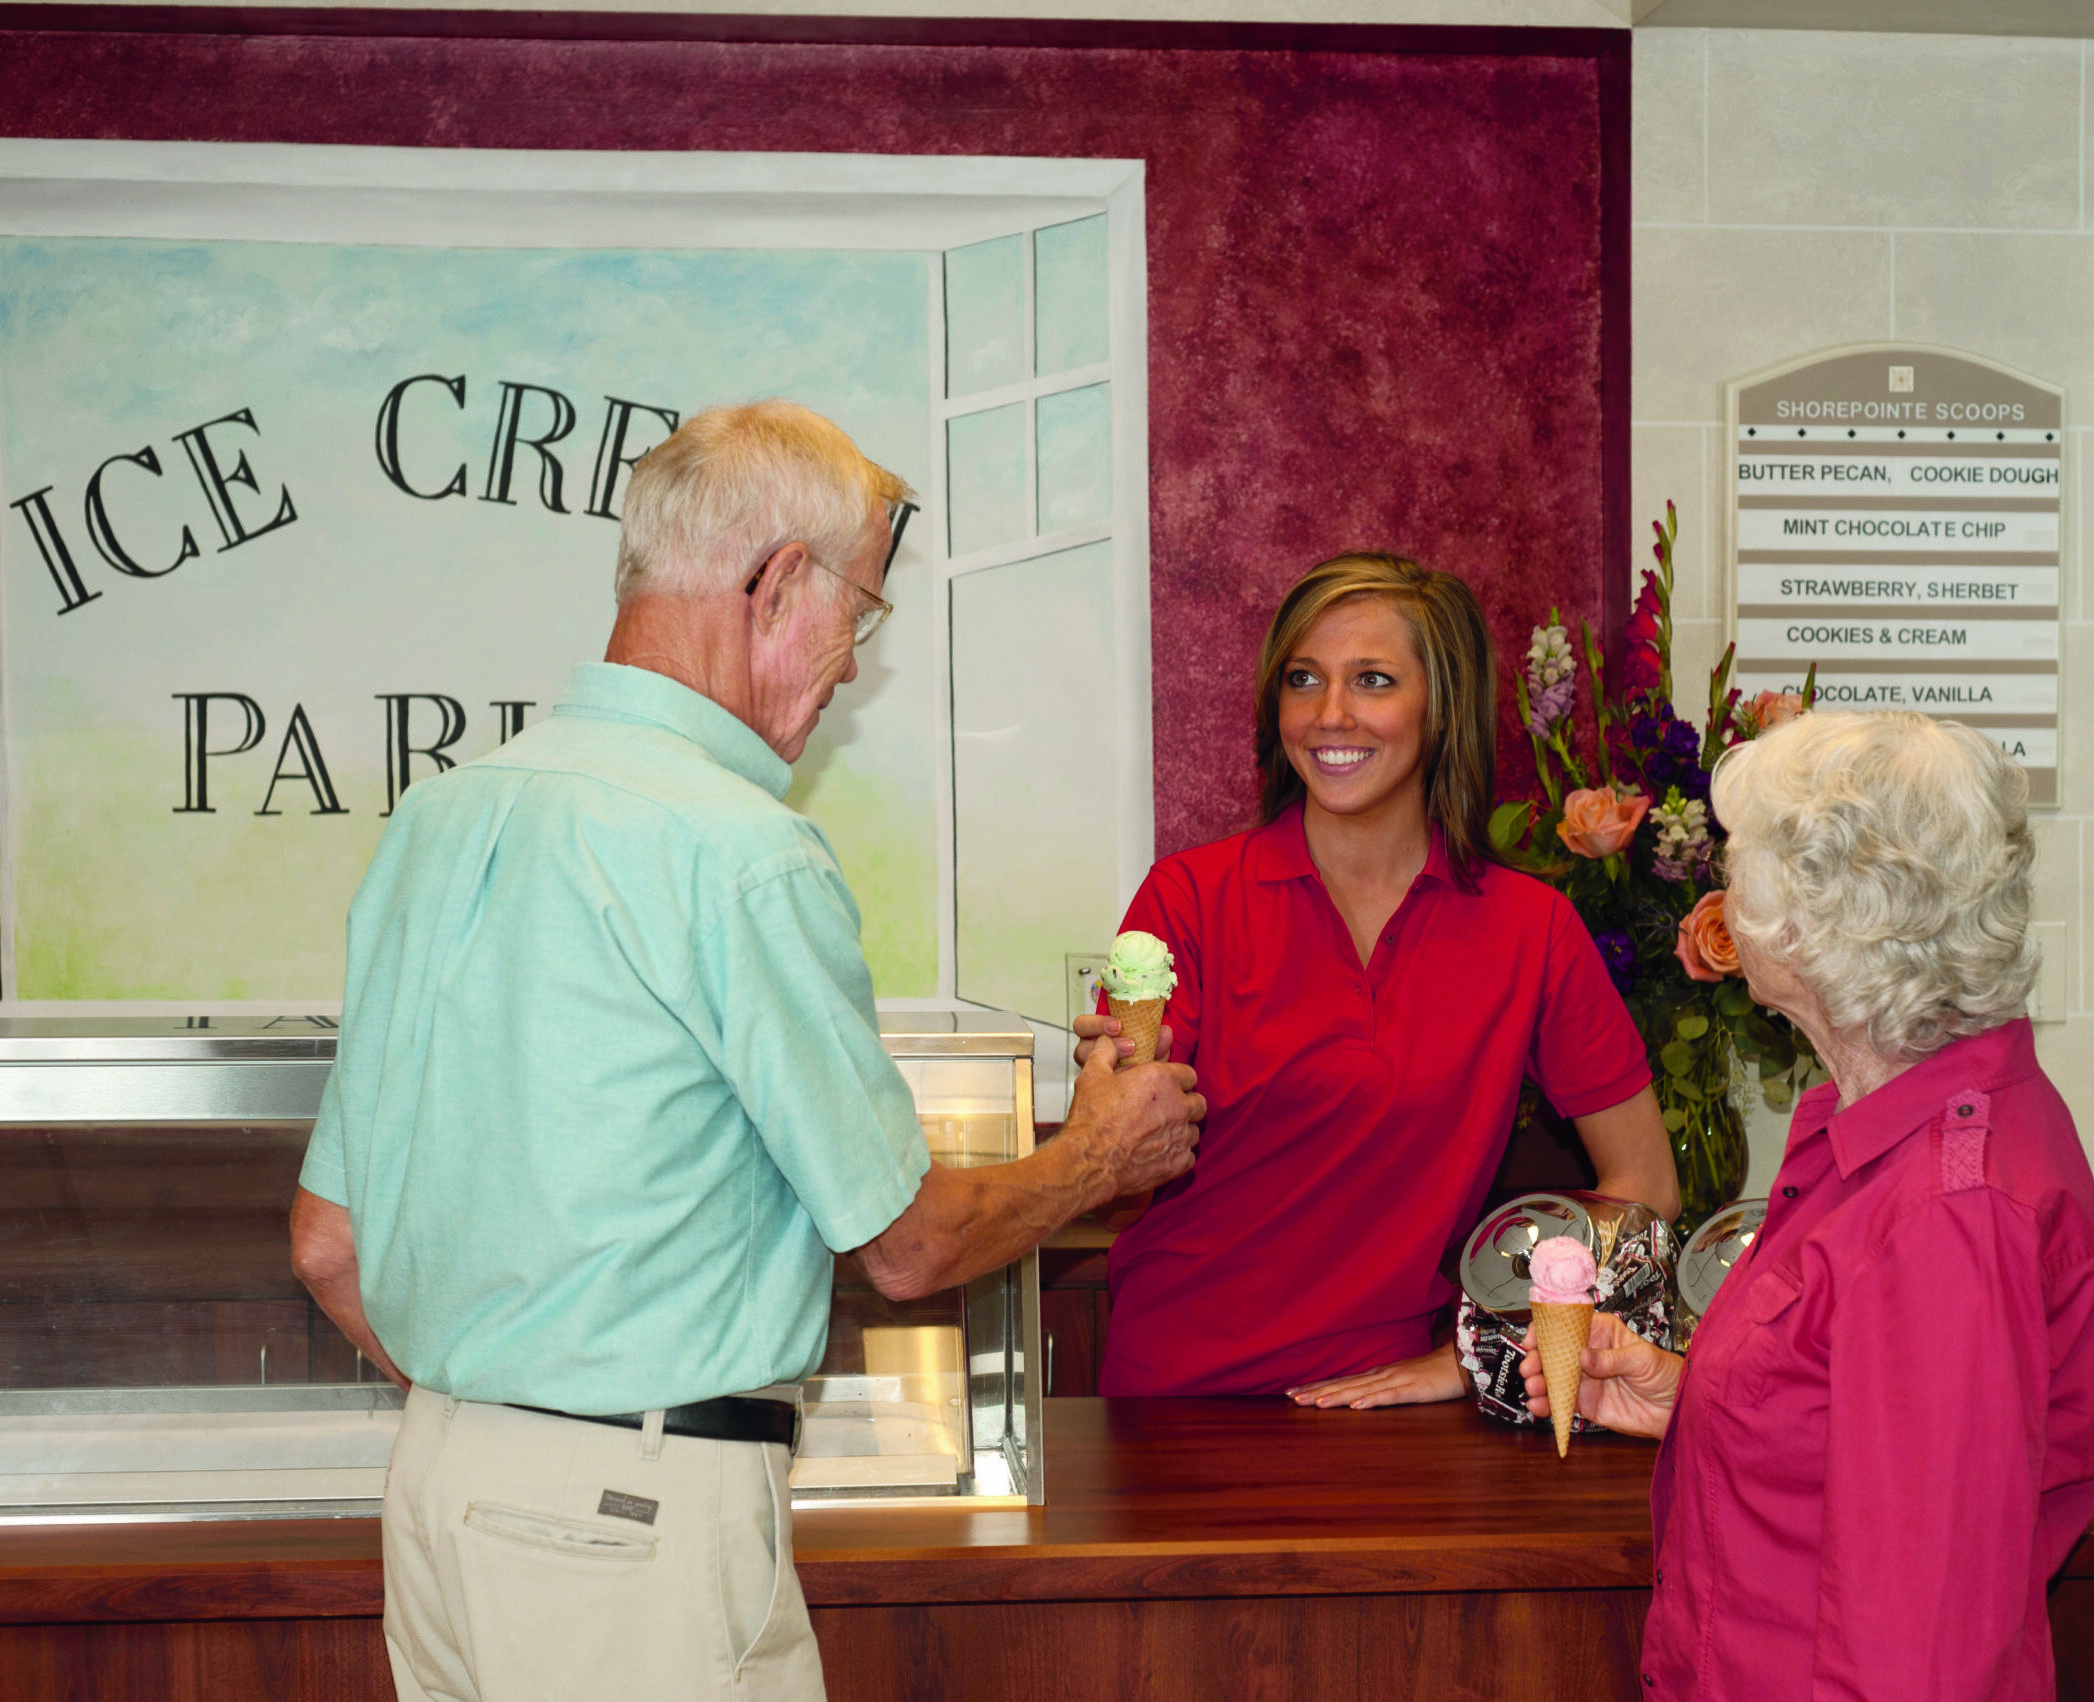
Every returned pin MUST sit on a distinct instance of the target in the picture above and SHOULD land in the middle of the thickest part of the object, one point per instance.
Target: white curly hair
(1886, 859)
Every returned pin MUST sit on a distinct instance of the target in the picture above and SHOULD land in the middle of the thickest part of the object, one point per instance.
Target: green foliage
(1699, 1034)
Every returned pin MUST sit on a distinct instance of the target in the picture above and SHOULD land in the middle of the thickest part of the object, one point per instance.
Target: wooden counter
(1188, 1548)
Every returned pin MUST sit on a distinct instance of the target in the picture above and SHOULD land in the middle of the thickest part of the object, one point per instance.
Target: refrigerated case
(159, 1360)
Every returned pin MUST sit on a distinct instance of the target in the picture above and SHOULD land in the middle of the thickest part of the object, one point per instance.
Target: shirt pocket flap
(1771, 1295)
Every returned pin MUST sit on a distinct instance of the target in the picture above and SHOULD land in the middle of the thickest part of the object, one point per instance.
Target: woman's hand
(1629, 1385)
(1091, 1029)
(1436, 1376)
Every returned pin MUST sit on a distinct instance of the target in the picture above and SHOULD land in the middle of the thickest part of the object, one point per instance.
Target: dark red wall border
(1389, 266)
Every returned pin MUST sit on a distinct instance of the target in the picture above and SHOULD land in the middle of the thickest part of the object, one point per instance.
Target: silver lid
(1494, 1262)
(1713, 1248)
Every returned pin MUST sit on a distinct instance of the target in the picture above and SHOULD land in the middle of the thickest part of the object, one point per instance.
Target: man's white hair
(1886, 859)
(707, 508)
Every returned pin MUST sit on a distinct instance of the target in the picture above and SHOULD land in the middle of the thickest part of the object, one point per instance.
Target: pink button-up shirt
(1884, 1440)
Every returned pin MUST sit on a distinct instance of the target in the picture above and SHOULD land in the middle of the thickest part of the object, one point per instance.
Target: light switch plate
(1082, 970)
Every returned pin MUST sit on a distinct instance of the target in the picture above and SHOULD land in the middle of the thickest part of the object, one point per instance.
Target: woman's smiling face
(1352, 710)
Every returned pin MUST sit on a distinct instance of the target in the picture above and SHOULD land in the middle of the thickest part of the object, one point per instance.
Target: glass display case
(159, 1360)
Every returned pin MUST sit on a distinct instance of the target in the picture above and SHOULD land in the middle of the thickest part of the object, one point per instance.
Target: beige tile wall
(1799, 189)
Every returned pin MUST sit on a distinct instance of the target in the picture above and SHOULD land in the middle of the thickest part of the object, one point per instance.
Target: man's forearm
(323, 1257)
(965, 1222)
(343, 1302)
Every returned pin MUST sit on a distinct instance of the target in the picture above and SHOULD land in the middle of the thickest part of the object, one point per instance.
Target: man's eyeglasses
(877, 608)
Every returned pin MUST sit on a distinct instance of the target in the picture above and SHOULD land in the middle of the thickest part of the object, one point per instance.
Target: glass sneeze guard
(159, 1361)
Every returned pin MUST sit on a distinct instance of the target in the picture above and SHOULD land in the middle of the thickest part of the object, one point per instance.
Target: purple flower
(1618, 953)
(1550, 707)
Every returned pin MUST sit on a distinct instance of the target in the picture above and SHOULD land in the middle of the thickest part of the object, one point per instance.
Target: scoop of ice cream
(1563, 1272)
(1139, 967)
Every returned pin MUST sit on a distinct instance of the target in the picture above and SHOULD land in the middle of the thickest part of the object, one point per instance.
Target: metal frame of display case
(307, 1449)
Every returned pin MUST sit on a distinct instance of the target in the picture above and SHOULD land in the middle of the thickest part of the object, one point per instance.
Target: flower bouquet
(1630, 841)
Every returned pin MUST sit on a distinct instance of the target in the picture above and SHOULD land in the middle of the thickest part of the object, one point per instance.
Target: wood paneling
(1577, 1646)
(137, 1257)
(1204, 1497)
(2072, 1629)
(280, 1660)
(1189, 1549)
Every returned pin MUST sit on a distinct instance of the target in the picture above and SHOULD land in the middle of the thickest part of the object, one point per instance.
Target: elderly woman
(1887, 1443)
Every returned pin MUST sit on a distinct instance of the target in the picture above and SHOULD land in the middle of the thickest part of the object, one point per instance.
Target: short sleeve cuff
(1605, 1098)
(871, 1217)
(322, 1174)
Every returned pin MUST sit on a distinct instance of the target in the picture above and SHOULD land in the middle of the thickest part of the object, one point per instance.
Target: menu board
(1895, 520)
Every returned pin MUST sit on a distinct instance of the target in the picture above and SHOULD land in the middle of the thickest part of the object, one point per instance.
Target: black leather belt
(726, 1418)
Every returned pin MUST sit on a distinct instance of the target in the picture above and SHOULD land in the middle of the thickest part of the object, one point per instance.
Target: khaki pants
(511, 1577)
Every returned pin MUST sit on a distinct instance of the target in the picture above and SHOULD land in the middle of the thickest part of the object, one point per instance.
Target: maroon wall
(1388, 268)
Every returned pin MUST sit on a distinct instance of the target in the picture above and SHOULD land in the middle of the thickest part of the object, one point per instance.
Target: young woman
(1361, 988)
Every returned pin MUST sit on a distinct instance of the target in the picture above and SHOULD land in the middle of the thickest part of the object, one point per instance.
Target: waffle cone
(1561, 1330)
(1141, 1021)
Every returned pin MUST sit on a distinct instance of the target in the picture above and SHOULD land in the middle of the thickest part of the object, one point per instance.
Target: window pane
(1069, 321)
(984, 315)
(1034, 850)
(985, 478)
(1075, 450)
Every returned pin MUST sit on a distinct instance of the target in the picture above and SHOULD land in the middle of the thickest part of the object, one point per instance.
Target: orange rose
(1596, 823)
(1705, 949)
(1773, 709)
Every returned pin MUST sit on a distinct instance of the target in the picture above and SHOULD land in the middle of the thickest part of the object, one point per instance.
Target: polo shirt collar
(1279, 851)
(1907, 1103)
(613, 691)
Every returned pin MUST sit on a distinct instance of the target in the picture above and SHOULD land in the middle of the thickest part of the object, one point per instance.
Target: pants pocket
(562, 1536)
(749, 1560)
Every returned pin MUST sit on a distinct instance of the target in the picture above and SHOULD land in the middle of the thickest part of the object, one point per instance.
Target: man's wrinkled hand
(1139, 1127)
(1092, 1029)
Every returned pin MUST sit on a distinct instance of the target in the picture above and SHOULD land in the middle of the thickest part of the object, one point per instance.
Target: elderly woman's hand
(1629, 1385)
(1091, 1029)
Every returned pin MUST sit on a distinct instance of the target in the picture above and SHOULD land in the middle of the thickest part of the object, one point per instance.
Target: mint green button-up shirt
(610, 1085)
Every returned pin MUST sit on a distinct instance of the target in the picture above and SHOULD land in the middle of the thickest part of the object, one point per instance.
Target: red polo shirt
(1355, 1116)
(1884, 1443)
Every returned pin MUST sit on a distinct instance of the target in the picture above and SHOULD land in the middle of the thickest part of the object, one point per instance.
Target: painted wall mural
(312, 522)
(294, 525)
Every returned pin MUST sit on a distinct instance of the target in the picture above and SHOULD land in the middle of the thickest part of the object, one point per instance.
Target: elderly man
(609, 1093)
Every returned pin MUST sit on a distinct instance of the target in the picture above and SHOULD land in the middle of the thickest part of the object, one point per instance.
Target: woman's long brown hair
(1461, 694)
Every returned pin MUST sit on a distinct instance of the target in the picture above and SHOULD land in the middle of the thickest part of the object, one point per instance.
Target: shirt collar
(1279, 851)
(612, 691)
(1907, 1103)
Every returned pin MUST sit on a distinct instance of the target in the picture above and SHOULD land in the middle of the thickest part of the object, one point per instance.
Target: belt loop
(651, 1434)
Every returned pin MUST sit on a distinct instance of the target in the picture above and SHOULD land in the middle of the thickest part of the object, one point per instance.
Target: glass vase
(1708, 1152)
